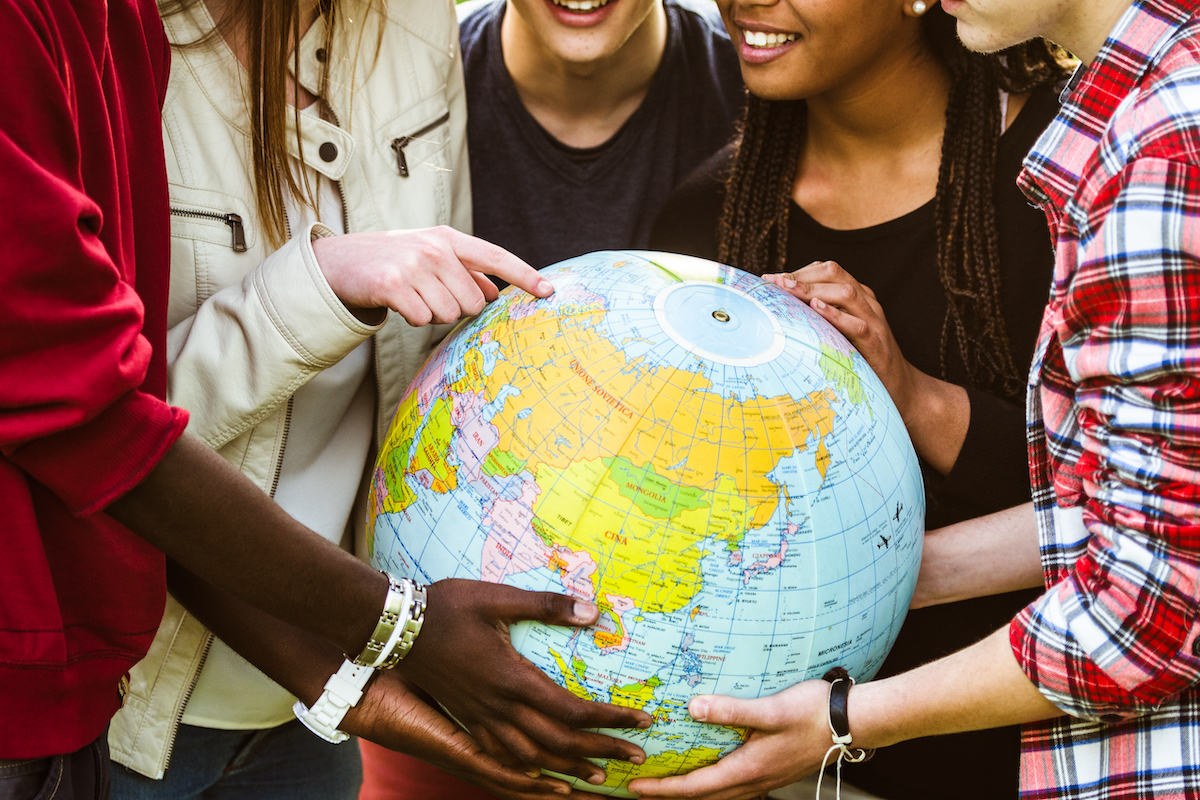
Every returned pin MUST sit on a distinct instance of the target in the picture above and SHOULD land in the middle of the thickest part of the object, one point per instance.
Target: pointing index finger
(491, 259)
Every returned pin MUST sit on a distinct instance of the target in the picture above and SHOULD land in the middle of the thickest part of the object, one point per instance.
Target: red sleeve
(73, 356)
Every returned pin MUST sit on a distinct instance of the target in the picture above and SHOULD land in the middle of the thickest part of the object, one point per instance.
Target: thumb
(549, 607)
(720, 709)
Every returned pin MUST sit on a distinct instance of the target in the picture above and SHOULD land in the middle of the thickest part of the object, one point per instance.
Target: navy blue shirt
(545, 201)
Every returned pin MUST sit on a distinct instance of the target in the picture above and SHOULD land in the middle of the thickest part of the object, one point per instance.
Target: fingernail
(637, 759)
(596, 778)
(533, 772)
(563, 789)
(545, 287)
(789, 281)
(818, 303)
(584, 611)
(646, 723)
(698, 709)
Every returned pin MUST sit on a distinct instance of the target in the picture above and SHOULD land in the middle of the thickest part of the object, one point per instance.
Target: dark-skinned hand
(395, 714)
(464, 659)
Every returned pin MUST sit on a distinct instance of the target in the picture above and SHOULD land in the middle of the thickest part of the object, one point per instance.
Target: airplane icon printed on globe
(688, 447)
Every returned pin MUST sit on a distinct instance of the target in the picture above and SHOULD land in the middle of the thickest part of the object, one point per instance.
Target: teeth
(582, 6)
(764, 39)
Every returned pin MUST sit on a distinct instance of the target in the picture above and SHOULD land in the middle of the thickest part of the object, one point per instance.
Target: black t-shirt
(897, 259)
(545, 201)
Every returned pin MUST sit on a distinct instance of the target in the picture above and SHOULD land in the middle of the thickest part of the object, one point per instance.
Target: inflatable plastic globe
(688, 447)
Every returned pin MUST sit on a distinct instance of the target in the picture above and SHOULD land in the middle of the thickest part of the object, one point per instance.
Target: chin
(776, 90)
(984, 41)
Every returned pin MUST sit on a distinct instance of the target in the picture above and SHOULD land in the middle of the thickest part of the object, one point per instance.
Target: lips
(580, 13)
(758, 45)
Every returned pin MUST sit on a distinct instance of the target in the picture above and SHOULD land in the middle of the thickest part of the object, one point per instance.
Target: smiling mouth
(762, 39)
(581, 6)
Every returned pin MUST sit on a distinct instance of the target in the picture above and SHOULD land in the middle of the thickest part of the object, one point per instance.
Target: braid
(968, 249)
(753, 227)
(968, 246)
(752, 230)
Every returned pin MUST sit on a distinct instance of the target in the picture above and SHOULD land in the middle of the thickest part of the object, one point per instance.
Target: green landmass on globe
(686, 446)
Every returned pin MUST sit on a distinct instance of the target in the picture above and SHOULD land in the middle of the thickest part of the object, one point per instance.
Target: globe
(685, 445)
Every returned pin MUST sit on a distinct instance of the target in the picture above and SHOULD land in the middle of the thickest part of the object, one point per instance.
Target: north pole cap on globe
(683, 444)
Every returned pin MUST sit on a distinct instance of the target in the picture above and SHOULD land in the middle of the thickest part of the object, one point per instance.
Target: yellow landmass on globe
(659, 765)
(655, 562)
(397, 494)
(634, 695)
(572, 678)
(434, 446)
(589, 402)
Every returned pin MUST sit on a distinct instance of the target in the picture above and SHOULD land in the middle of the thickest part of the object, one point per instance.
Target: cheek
(804, 72)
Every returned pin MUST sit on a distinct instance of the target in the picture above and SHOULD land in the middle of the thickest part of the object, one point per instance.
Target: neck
(582, 103)
(232, 29)
(891, 110)
(872, 149)
(1082, 26)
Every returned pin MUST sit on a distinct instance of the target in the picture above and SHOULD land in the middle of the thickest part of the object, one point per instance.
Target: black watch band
(839, 696)
(839, 716)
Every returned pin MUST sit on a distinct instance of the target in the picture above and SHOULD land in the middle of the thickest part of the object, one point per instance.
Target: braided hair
(753, 228)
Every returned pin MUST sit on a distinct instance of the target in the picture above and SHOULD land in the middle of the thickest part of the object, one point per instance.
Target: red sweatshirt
(84, 258)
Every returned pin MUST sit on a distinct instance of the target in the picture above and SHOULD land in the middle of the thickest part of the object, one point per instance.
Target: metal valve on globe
(683, 444)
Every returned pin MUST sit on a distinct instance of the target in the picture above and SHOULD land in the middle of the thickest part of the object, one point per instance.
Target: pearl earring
(919, 7)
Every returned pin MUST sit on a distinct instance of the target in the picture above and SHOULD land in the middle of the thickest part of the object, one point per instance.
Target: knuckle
(475, 306)
(494, 255)
(430, 251)
(421, 316)
(393, 282)
(577, 715)
(525, 751)
(562, 745)
(553, 605)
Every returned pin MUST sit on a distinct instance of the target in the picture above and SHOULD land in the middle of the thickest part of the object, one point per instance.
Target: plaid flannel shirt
(1114, 423)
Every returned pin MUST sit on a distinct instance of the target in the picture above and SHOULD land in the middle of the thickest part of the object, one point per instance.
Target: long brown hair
(753, 228)
(272, 31)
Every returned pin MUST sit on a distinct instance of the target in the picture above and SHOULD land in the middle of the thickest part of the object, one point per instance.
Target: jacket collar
(1055, 166)
(215, 58)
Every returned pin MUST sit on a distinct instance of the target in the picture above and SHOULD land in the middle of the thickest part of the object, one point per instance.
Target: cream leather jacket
(248, 326)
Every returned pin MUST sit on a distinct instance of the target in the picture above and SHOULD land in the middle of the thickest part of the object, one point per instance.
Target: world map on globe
(685, 445)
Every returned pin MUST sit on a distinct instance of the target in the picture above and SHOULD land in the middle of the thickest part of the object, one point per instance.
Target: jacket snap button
(1196, 646)
(322, 55)
(328, 152)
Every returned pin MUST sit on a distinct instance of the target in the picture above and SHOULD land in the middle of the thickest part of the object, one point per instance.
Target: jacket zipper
(174, 732)
(338, 184)
(404, 141)
(287, 425)
(234, 221)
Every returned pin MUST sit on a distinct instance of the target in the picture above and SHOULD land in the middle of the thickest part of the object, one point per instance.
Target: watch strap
(342, 692)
